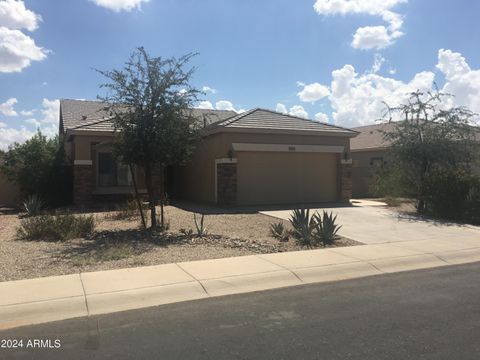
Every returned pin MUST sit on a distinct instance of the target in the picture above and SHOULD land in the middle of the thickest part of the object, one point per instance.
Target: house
(258, 157)
(369, 152)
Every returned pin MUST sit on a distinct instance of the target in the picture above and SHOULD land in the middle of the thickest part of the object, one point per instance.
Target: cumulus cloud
(205, 105)
(7, 107)
(14, 15)
(312, 92)
(8, 136)
(281, 108)
(224, 105)
(322, 117)
(298, 110)
(120, 5)
(358, 99)
(460, 80)
(378, 62)
(26, 112)
(18, 50)
(208, 89)
(368, 37)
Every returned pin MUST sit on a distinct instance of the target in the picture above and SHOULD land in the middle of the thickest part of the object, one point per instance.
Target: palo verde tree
(433, 151)
(150, 100)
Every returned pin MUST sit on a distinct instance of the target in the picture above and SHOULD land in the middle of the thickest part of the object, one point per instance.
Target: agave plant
(303, 226)
(325, 229)
(278, 231)
(33, 205)
(199, 225)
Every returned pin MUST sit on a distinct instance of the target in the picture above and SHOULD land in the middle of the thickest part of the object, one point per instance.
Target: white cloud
(34, 122)
(205, 105)
(312, 92)
(378, 62)
(120, 5)
(298, 110)
(460, 80)
(207, 89)
(322, 117)
(14, 15)
(368, 37)
(7, 107)
(281, 108)
(9, 135)
(2, 124)
(358, 99)
(17, 50)
(26, 112)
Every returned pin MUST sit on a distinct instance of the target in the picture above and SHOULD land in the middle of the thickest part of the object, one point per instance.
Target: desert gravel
(121, 243)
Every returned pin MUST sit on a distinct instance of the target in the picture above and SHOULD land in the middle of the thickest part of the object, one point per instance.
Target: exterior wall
(363, 171)
(9, 193)
(82, 150)
(196, 180)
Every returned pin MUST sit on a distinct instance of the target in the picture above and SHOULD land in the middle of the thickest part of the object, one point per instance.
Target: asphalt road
(428, 314)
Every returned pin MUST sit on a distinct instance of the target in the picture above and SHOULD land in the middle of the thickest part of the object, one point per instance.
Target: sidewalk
(41, 300)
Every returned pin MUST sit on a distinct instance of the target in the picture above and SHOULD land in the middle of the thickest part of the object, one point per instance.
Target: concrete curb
(35, 301)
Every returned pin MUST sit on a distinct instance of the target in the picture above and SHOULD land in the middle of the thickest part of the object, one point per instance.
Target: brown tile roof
(370, 137)
(92, 116)
(271, 120)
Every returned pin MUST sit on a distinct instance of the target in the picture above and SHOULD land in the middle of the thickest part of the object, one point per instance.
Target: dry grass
(119, 243)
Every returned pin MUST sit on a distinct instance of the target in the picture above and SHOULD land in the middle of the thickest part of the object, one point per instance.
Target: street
(426, 314)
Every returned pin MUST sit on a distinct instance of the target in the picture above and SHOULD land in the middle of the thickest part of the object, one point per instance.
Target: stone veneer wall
(227, 183)
(345, 180)
(83, 178)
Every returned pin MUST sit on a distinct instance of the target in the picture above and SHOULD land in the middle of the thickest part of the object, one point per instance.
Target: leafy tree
(39, 166)
(150, 100)
(433, 147)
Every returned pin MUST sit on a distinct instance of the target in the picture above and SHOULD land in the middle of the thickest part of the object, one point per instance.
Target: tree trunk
(151, 195)
(137, 197)
(162, 196)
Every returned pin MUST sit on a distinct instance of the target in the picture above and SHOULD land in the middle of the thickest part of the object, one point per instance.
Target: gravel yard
(122, 243)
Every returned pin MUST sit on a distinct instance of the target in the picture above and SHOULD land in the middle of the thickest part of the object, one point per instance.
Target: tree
(433, 147)
(150, 100)
(39, 166)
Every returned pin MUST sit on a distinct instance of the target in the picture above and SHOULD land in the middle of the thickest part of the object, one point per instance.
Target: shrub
(303, 226)
(128, 210)
(325, 229)
(278, 231)
(33, 205)
(199, 225)
(56, 228)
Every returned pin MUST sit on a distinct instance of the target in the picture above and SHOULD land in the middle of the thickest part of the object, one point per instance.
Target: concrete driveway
(371, 222)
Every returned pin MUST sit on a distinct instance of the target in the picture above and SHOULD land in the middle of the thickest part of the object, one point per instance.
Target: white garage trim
(221, 161)
(288, 148)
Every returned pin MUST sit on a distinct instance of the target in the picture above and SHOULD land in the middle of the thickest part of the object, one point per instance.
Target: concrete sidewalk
(41, 300)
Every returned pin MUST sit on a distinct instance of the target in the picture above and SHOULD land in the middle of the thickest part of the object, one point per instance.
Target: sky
(334, 61)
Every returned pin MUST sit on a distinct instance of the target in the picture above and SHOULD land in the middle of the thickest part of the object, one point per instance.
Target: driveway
(371, 222)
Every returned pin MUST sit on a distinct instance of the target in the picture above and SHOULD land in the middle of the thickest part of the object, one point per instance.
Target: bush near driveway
(56, 227)
(314, 230)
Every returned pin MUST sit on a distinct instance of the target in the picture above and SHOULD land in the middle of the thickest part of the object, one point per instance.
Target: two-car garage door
(286, 178)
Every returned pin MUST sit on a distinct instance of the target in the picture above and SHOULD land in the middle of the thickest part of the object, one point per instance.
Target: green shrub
(303, 226)
(33, 205)
(56, 228)
(325, 229)
(278, 231)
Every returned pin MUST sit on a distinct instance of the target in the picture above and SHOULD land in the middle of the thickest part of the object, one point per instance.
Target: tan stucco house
(259, 157)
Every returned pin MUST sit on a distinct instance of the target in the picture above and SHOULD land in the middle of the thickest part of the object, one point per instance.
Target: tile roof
(92, 116)
(271, 120)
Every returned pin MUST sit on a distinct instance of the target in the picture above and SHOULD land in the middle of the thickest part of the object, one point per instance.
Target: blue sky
(333, 60)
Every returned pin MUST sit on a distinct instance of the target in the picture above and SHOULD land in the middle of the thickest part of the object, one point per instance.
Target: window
(112, 173)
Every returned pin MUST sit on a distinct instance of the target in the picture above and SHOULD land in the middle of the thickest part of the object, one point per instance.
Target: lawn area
(121, 243)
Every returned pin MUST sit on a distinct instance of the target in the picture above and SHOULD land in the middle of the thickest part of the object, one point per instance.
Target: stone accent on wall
(345, 180)
(227, 183)
(83, 184)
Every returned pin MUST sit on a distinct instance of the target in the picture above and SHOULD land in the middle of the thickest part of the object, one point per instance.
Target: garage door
(286, 178)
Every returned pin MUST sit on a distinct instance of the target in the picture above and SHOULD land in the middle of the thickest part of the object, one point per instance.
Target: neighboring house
(369, 153)
(257, 157)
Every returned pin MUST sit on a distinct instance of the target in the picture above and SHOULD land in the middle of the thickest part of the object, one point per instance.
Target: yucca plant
(303, 226)
(278, 231)
(199, 224)
(325, 229)
(33, 205)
